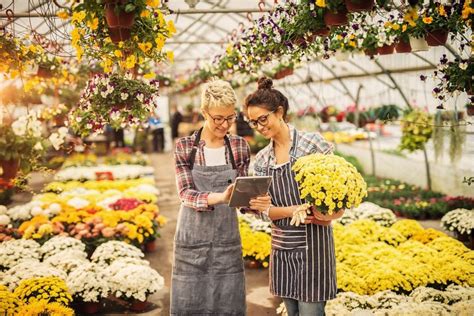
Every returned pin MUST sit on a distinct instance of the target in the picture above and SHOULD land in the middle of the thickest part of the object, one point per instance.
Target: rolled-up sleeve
(244, 160)
(184, 180)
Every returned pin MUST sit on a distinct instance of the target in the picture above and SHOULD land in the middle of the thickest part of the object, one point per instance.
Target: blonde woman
(208, 273)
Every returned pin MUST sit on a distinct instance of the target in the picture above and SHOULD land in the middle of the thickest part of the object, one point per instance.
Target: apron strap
(192, 156)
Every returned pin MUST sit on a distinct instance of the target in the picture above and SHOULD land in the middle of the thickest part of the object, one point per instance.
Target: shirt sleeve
(321, 145)
(187, 192)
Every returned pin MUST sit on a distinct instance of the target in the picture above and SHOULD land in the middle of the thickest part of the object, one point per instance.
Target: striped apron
(302, 263)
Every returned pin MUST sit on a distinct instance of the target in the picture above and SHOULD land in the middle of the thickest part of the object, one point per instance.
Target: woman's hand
(227, 193)
(220, 198)
(261, 203)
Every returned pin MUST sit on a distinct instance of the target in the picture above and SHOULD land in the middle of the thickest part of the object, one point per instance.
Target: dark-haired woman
(302, 264)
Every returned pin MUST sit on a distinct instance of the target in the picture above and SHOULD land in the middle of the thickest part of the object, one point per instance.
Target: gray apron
(208, 273)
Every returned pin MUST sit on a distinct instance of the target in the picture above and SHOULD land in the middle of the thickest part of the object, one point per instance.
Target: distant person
(243, 128)
(158, 133)
(176, 119)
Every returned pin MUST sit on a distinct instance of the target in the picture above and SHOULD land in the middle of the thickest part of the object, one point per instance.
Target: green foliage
(416, 130)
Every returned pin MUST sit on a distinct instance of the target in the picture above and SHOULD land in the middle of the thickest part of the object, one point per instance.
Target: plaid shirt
(307, 143)
(184, 180)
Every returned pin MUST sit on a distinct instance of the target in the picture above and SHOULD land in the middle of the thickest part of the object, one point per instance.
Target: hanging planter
(418, 44)
(44, 72)
(386, 49)
(341, 56)
(116, 17)
(283, 73)
(324, 32)
(336, 18)
(10, 168)
(403, 46)
(359, 5)
(370, 52)
(436, 37)
(119, 34)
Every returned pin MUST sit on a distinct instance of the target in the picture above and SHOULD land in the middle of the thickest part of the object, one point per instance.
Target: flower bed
(116, 270)
(412, 201)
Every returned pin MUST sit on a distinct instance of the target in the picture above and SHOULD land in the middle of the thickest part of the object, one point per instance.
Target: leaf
(130, 7)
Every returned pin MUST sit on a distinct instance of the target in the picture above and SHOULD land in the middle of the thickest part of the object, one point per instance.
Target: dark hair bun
(264, 83)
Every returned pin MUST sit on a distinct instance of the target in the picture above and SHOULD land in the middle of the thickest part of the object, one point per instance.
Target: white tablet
(247, 188)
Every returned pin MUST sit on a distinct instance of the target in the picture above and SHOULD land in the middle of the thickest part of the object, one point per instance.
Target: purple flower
(422, 78)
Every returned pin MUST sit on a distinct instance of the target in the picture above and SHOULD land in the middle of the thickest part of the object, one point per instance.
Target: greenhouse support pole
(372, 152)
(427, 165)
(356, 112)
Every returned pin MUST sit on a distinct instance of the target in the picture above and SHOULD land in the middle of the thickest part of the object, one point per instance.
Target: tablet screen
(247, 188)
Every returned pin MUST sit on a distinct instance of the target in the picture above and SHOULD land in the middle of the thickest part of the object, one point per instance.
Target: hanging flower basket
(437, 37)
(336, 18)
(44, 72)
(386, 49)
(119, 34)
(359, 5)
(418, 44)
(116, 17)
(323, 32)
(370, 52)
(138, 306)
(403, 46)
(10, 168)
(283, 73)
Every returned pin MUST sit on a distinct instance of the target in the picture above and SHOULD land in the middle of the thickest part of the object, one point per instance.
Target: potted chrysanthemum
(133, 282)
(329, 183)
(116, 100)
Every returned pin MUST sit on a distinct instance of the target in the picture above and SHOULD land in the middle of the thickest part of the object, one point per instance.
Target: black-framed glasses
(262, 120)
(219, 120)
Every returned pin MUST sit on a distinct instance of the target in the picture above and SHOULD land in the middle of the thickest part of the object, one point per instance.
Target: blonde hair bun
(217, 93)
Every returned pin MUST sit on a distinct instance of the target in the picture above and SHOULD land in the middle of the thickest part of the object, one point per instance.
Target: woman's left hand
(261, 203)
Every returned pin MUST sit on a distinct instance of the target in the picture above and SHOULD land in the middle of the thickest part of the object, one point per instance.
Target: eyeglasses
(219, 120)
(262, 120)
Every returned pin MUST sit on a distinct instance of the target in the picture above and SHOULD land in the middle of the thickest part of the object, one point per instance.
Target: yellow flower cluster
(342, 137)
(329, 182)
(38, 228)
(50, 289)
(146, 42)
(8, 302)
(372, 258)
(42, 308)
(101, 186)
(78, 159)
(256, 245)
